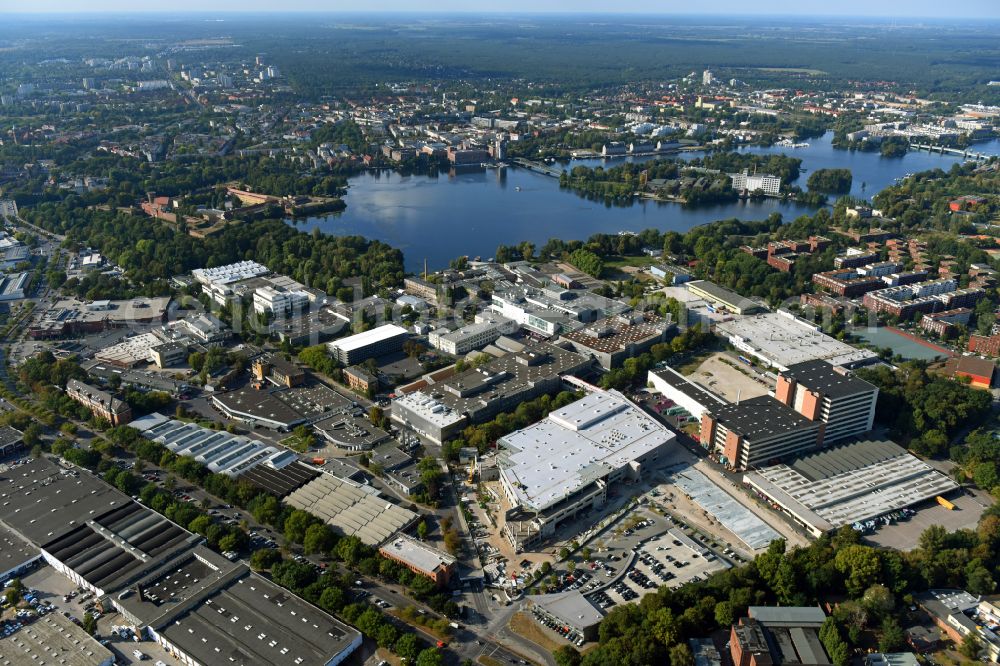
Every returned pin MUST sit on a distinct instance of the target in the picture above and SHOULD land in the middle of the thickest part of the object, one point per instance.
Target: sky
(900, 9)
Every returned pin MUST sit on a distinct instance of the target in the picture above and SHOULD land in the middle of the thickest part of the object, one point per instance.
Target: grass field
(522, 625)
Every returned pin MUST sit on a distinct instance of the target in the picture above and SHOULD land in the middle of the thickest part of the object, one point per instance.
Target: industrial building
(11, 439)
(12, 286)
(441, 410)
(54, 639)
(351, 508)
(848, 484)
(101, 403)
(612, 340)
(214, 281)
(564, 464)
(16, 554)
(815, 404)
(259, 407)
(132, 351)
(720, 297)
(376, 342)
(669, 273)
(781, 339)
(202, 608)
(779, 636)
(75, 317)
(421, 559)
(204, 328)
(220, 451)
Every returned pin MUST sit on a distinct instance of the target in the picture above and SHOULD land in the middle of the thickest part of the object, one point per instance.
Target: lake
(439, 217)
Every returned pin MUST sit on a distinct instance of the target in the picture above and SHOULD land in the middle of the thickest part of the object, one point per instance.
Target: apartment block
(100, 403)
(942, 323)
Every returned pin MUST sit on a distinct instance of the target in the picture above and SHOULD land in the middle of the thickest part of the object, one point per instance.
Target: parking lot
(52, 588)
(672, 559)
(905, 535)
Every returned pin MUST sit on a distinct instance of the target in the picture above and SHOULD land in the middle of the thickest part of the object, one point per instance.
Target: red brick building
(987, 345)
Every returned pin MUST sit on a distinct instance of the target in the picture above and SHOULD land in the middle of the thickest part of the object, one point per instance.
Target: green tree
(296, 524)
(407, 647)
(318, 539)
(892, 638)
(264, 558)
(567, 655)
(430, 657)
(681, 655)
(860, 566)
(970, 647)
(725, 614)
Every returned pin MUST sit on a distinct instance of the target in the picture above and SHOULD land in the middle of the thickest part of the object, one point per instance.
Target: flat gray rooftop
(53, 639)
(776, 616)
(851, 483)
(41, 500)
(735, 517)
(576, 445)
(571, 608)
(14, 551)
(252, 621)
(784, 340)
(760, 417)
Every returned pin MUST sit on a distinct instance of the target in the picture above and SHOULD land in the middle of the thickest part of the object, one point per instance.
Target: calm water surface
(441, 217)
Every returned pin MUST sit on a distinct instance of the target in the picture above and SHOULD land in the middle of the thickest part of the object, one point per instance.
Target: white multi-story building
(767, 183)
(272, 300)
(474, 336)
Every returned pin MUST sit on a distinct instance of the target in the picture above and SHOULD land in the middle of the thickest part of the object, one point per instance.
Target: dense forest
(833, 181)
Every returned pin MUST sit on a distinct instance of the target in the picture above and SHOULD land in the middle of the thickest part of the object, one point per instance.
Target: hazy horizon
(894, 9)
